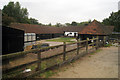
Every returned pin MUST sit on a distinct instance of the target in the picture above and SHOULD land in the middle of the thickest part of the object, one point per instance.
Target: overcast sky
(66, 11)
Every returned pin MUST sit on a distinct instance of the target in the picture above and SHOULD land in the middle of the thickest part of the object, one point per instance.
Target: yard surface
(62, 39)
(103, 64)
(57, 41)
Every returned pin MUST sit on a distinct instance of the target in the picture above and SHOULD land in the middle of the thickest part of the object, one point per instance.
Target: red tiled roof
(72, 28)
(38, 29)
(94, 28)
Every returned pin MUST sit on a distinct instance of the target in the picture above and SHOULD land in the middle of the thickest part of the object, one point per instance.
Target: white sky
(66, 11)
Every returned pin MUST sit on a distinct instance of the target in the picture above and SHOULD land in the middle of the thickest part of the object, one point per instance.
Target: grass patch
(107, 45)
(98, 50)
(46, 74)
(62, 39)
(11, 74)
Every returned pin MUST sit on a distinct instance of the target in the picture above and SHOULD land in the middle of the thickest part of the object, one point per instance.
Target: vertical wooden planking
(64, 51)
(39, 60)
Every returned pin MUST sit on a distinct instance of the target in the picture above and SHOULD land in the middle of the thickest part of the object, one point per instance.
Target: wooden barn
(12, 40)
(40, 32)
(95, 28)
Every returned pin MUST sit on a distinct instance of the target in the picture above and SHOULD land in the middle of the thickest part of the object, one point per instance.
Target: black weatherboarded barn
(12, 40)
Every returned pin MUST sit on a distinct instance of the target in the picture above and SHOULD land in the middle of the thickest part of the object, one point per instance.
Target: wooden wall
(12, 40)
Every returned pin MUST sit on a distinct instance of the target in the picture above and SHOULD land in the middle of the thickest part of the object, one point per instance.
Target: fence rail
(64, 55)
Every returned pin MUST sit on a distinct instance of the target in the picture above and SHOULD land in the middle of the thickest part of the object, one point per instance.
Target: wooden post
(64, 51)
(6, 62)
(39, 60)
(87, 45)
(104, 39)
(93, 43)
(27, 37)
(77, 47)
(97, 43)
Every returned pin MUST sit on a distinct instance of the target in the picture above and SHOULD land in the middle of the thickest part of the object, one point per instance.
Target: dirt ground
(32, 56)
(103, 64)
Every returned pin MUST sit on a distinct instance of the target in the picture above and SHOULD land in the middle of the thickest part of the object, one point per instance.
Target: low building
(95, 28)
(37, 32)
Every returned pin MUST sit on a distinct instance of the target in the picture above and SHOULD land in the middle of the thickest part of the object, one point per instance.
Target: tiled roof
(72, 28)
(38, 29)
(94, 28)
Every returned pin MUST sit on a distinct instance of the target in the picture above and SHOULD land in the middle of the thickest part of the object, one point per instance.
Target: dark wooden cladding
(48, 36)
(12, 40)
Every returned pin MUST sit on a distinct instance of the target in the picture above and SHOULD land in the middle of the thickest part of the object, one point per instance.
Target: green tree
(33, 21)
(49, 24)
(83, 23)
(9, 9)
(58, 25)
(74, 23)
(18, 13)
(6, 20)
(113, 20)
(67, 24)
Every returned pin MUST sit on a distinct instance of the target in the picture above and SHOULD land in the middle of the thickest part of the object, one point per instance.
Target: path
(103, 64)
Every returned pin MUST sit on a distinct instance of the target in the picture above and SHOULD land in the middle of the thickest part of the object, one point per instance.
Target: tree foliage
(49, 24)
(13, 12)
(74, 23)
(33, 21)
(113, 20)
(6, 20)
(67, 24)
(78, 24)
(58, 25)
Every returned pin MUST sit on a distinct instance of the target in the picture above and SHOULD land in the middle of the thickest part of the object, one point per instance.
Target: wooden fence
(42, 64)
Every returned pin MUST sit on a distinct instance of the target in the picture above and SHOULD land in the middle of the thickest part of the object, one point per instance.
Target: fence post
(39, 60)
(93, 43)
(87, 45)
(64, 51)
(97, 43)
(6, 62)
(77, 47)
(104, 38)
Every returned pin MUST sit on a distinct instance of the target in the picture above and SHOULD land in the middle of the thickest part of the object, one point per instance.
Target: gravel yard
(103, 64)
